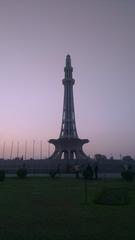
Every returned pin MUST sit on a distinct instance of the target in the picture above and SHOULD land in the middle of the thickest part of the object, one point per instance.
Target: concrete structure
(107, 168)
(69, 146)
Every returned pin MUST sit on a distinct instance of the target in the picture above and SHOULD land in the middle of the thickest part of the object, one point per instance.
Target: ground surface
(43, 208)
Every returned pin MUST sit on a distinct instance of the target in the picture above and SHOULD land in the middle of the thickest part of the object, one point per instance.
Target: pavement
(70, 175)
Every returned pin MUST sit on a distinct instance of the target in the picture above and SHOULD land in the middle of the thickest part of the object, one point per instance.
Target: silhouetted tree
(127, 158)
(99, 157)
(53, 173)
(22, 172)
(128, 173)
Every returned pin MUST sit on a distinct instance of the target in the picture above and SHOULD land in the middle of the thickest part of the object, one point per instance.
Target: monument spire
(68, 68)
(68, 145)
(68, 127)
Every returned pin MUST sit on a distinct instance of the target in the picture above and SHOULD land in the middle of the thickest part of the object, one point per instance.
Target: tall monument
(68, 146)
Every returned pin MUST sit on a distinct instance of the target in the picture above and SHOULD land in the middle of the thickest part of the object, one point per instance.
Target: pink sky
(99, 35)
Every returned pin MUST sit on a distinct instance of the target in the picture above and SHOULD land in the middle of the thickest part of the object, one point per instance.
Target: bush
(112, 196)
(2, 175)
(52, 173)
(127, 175)
(22, 172)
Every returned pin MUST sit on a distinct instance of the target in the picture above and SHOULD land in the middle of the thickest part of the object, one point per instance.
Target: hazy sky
(35, 36)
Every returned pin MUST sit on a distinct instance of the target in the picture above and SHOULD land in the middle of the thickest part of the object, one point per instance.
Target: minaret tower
(68, 146)
(68, 127)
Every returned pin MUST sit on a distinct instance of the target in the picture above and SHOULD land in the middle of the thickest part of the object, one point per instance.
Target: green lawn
(43, 208)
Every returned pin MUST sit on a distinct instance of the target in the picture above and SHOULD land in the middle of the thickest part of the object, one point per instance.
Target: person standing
(96, 171)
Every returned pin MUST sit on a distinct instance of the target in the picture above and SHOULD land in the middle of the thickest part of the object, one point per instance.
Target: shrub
(52, 173)
(22, 172)
(2, 175)
(127, 175)
(112, 196)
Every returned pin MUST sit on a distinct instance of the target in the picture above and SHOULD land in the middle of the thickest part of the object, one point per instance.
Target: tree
(127, 158)
(21, 172)
(128, 173)
(99, 157)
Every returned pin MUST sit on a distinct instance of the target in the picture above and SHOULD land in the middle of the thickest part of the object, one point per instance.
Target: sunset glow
(36, 36)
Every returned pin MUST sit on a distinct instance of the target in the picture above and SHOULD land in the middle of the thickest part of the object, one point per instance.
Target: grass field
(54, 209)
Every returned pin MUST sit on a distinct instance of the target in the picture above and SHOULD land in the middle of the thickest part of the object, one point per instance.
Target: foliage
(128, 175)
(112, 196)
(99, 157)
(52, 173)
(2, 175)
(127, 158)
(22, 172)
